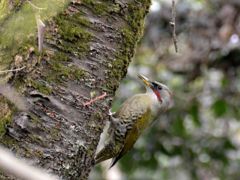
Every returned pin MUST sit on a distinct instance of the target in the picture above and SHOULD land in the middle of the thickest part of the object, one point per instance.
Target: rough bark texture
(87, 49)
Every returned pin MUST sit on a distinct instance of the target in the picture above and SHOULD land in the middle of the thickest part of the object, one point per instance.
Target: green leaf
(195, 114)
(219, 107)
(178, 127)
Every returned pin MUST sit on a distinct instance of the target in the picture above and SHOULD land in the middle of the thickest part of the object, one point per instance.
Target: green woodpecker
(132, 118)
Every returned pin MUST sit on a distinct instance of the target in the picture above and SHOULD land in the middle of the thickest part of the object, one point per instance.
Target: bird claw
(110, 113)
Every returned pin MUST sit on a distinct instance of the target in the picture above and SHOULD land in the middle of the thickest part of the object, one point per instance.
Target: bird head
(162, 92)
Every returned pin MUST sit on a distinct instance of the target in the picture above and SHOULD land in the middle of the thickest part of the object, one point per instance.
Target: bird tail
(115, 160)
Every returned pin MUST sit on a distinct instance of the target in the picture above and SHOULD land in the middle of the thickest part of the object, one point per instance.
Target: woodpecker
(127, 124)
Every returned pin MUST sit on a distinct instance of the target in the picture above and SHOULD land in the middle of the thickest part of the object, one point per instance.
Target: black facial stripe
(156, 86)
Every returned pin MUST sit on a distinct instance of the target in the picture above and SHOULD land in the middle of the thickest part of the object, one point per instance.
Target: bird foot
(110, 113)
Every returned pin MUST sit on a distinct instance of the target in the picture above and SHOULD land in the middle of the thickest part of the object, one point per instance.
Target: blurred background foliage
(199, 138)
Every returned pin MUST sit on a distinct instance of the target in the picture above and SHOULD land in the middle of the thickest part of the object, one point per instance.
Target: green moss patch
(20, 25)
(101, 8)
(74, 39)
(5, 114)
(131, 34)
(60, 73)
(41, 87)
(60, 69)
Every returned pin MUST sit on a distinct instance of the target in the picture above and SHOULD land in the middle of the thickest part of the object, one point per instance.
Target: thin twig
(95, 99)
(34, 6)
(173, 25)
(12, 70)
(41, 28)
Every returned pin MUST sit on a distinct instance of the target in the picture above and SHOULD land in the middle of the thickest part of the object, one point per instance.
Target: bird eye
(159, 87)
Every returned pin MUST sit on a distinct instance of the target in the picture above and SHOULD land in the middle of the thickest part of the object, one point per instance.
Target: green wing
(136, 111)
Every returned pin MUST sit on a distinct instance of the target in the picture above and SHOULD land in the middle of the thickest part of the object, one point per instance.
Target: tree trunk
(88, 45)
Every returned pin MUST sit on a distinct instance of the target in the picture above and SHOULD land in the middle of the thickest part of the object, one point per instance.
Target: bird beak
(146, 81)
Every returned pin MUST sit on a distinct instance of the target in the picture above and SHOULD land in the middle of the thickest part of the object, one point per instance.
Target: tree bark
(88, 45)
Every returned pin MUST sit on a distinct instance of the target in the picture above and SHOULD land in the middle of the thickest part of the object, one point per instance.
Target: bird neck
(156, 104)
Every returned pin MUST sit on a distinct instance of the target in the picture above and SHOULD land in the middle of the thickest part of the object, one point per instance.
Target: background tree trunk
(88, 45)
